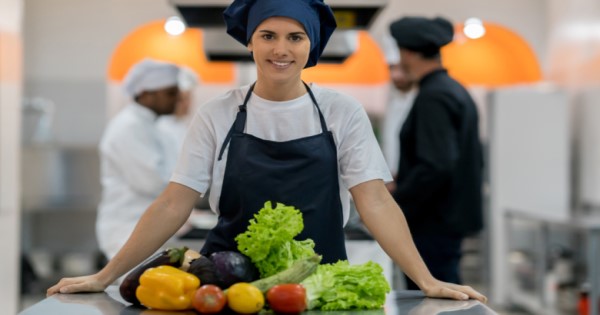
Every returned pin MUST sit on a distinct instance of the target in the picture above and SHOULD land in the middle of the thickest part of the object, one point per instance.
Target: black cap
(421, 34)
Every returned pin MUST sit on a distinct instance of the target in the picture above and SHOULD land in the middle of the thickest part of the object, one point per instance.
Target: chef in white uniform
(136, 159)
(402, 92)
(176, 125)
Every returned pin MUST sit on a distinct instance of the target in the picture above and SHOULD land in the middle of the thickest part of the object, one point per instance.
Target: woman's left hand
(439, 289)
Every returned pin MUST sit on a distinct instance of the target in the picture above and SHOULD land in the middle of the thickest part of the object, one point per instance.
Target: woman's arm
(160, 221)
(386, 222)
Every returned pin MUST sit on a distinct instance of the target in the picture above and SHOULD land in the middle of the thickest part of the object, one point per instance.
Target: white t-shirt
(359, 156)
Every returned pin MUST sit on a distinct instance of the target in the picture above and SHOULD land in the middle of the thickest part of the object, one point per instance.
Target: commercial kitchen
(532, 68)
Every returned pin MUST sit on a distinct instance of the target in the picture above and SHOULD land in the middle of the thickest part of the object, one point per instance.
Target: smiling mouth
(281, 64)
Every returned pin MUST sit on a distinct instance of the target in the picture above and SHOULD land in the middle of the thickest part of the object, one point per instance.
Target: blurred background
(532, 66)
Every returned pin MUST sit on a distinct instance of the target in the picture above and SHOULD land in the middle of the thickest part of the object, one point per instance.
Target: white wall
(10, 94)
(574, 43)
(68, 46)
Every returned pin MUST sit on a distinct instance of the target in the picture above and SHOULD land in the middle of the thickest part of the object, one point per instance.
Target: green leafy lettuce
(269, 240)
(342, 286)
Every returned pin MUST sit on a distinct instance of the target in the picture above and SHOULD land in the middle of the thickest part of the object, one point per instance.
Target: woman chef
(278, 139)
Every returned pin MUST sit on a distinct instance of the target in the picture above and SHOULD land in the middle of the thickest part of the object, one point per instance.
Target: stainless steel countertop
(110, 303)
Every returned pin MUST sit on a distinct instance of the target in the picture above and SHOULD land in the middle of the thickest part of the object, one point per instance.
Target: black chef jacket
(440, 173)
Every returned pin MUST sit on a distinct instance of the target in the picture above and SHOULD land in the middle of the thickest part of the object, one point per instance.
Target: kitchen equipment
(351, 15)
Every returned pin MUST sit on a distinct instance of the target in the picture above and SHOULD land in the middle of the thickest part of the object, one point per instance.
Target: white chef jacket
(174, 128)
(399, 105)
(136, 163)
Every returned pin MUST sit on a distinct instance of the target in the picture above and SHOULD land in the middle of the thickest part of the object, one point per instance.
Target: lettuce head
(342, 286)
(269, 240)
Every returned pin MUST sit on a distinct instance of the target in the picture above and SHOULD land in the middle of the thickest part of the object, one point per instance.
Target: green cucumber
(296, 273)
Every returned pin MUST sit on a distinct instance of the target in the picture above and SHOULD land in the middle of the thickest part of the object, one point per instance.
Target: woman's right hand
(89, 283)
(160, 221)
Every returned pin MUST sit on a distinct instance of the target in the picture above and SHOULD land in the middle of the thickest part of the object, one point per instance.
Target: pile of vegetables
(270, 244)
(272, 270)
(208, 285)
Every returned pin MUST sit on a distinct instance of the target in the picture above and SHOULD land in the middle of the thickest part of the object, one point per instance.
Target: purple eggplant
(171, 257)
(205, 270)
(232, 267)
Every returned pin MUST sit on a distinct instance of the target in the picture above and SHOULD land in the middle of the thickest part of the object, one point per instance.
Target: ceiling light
(174, 26)
(474, 28)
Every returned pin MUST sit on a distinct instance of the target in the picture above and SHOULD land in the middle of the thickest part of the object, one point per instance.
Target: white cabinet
(528, 166)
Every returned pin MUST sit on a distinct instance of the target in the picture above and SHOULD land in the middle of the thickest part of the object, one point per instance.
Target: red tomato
(287, 298)
(209, 299)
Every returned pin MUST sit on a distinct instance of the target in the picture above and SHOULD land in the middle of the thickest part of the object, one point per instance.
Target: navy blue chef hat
(421, 34)
(243, 17)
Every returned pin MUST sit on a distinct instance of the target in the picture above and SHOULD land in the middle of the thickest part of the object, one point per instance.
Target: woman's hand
(439, 289)
(78, 284)
(387, 224)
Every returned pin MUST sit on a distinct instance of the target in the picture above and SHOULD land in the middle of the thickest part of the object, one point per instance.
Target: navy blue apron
(302, 173)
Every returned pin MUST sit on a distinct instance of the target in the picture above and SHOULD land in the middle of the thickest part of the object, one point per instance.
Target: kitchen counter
(110, 303)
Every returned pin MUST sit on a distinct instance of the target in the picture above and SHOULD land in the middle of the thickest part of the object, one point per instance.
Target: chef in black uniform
(440, 173)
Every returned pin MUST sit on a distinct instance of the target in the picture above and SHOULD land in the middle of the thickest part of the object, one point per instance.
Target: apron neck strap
(247, 98)
(239, 123)
(240, 120)
(314, 100)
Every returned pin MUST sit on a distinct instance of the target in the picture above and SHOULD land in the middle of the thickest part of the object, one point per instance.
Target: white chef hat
(149, 75)
(390, 49)
(188, 79)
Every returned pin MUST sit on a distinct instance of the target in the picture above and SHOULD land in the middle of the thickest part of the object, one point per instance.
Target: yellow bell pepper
(167, 288)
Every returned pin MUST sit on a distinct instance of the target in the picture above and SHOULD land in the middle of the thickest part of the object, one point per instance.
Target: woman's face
(281, 48)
